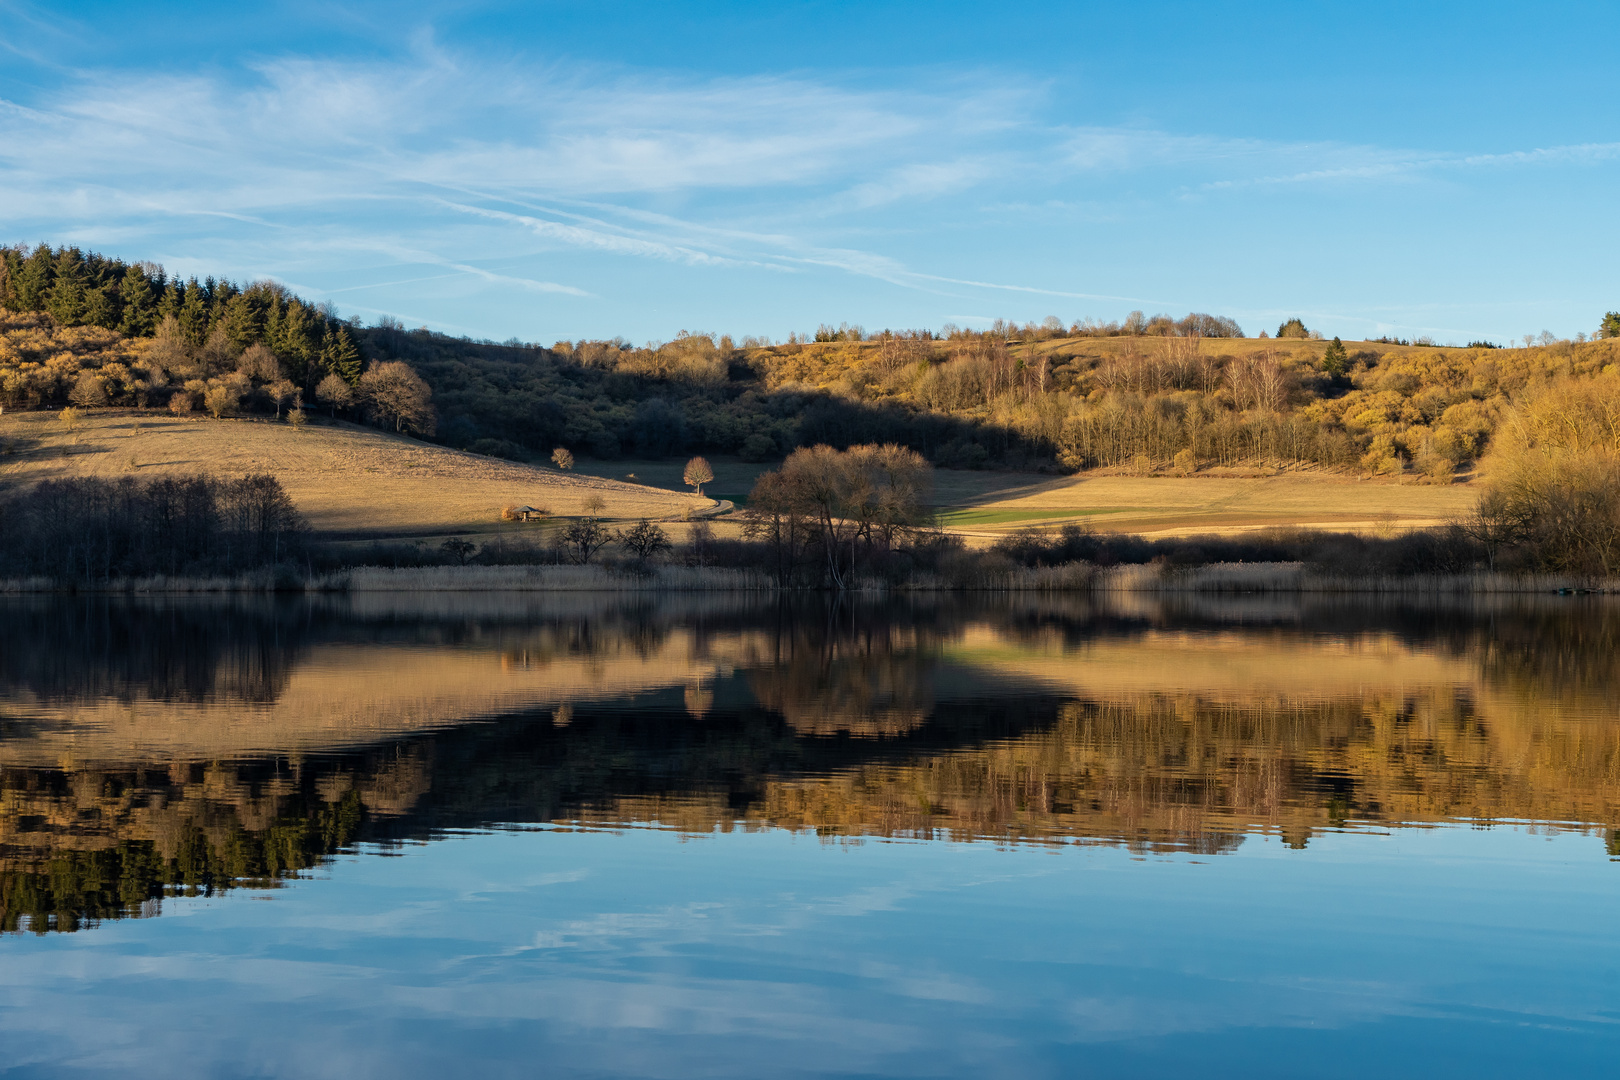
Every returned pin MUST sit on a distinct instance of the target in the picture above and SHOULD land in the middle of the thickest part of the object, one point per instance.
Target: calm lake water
(610, 835)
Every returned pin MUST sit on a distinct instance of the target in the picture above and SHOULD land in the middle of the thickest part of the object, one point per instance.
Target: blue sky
(566, 170)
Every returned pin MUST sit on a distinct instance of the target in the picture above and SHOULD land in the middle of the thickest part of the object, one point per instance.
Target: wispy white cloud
(445, 160)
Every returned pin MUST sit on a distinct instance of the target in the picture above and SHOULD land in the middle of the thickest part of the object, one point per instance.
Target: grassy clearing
(1172, 505)
(346, 479)
(958, 518)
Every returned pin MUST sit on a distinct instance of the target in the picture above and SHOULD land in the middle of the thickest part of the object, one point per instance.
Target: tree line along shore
(843, 520)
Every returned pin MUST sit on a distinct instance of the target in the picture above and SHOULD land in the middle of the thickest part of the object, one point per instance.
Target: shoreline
(1212, 579)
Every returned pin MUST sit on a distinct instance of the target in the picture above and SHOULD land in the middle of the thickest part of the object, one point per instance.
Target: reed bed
(1298, 578)
(547, 579)
(1077, 577)
(255, 581)
(1070, 577)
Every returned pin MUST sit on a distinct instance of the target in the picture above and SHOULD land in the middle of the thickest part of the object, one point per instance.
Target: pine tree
(173, 302)
(10, 264)
(101, 308)
(194, 314)
(220, 296)
(297, 344)
(245, 318)
(140, 307)
(35, 278)
(1336, 360)
(66, 300)
(339, 356)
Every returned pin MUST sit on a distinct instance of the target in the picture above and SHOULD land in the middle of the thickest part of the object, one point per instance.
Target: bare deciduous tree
(259, 364)
(334, 393)
(644, 540)
(698, 472)
(582, 539)
(869, 493)
(88, 391)
(396, 394)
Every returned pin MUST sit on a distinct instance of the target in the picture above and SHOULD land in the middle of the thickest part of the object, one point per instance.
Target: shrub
(499, 448)
(758, 447)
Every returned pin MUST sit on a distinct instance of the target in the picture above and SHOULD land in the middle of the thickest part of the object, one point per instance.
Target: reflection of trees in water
(82, 649)
(845, 722)
(869, 676)
(1178, 772)
(59, 870)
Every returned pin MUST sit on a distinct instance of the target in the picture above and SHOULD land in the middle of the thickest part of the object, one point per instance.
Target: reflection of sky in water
(1419, 952)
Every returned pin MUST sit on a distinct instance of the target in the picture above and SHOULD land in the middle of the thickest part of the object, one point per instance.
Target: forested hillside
(1154, 393)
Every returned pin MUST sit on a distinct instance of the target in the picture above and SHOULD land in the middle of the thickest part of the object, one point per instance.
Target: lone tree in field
(698, 473)
(644, 540)
(459, 549)
(280, 392)
(561, 458)
(394, 392)
(334, 393)
(1293, 328)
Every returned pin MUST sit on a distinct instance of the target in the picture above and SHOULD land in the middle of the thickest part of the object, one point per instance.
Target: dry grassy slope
(992, 502)
(346, 479)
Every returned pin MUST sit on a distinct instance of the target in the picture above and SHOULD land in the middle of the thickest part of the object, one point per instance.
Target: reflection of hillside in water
(154, 748)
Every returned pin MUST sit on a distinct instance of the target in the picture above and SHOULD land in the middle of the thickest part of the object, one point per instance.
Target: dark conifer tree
(140, 304)
(66, 300)
(101, 307)
(173, 302)
(194, 314)
(299, 342)
(35, 279)
(339, 355)
(10, 263)
(245, 317)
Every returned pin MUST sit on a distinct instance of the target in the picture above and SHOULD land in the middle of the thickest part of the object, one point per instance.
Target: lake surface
(707, 835)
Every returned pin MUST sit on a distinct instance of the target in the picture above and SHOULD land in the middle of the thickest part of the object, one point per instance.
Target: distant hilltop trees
(83, 329)
(1152, 393)
(195, 321)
